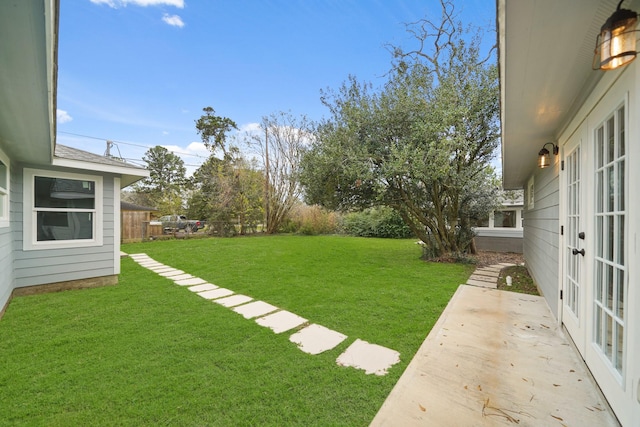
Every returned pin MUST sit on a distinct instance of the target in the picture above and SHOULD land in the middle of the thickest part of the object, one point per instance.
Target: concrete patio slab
(203, 287)
(216, 293)
(233, 300)
(372, 358)
(495, 358)
(315, 339)
(172, 273)
(482, 284)
(255, 309)
(281, 321)
(189, 282)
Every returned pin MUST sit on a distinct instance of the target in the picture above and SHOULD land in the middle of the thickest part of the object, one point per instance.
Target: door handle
(576, 252)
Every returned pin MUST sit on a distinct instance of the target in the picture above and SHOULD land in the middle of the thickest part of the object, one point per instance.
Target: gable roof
(79, 159)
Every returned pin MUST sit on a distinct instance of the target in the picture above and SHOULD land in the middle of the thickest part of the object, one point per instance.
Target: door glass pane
(620, 294)
(599, 190)
(600, 147)
(621, 137)
(599, 245)
(619, 347)
(620, 235)
(620, 193)
(608, 336)
(609, 188)
(611, 140)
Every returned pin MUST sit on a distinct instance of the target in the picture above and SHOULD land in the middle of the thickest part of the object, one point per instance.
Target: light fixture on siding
(543, 155)
(616, 43)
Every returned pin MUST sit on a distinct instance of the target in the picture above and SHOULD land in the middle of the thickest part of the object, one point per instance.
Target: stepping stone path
(487, 277)
(312, 339)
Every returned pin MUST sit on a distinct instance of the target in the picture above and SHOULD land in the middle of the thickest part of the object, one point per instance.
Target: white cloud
(164, 132)
(144, 3)
(63, 117)
(251, 128)
(173, 20)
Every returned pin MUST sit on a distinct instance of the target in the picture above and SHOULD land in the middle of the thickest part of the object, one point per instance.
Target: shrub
(312, 220)
(376, 222)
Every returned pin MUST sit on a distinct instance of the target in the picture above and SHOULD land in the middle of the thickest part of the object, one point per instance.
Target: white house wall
(541, 233)
(37, 267)
(6, 245)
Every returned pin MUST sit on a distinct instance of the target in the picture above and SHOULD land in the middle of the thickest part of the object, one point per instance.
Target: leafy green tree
(213, 129)
(228, 193)
(166, 183)
(421, 145)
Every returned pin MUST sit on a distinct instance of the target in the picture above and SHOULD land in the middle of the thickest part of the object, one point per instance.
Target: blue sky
(139, 72)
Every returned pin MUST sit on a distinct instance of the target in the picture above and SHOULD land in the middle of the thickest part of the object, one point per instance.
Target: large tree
(214, 129)
(228, 193)
(280, 145)
(166, 183)
(421, 144)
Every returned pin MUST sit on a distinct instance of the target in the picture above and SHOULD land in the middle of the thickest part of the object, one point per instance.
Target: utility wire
(133, 145)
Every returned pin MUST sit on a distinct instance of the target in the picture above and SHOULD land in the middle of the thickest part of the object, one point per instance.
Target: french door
(574, 264)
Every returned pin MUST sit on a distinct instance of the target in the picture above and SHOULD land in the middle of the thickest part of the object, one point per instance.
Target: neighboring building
(582, 212)
(59, 206)
(501, 231)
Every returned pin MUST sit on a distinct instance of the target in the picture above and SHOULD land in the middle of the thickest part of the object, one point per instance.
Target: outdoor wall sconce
(616, 43)
(543, 155)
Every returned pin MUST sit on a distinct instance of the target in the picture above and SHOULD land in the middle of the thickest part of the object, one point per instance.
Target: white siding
(541, 234)
(6, 253)
(58, 265)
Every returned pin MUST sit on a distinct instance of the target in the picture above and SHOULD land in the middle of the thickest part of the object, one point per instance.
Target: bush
(312, 220)
(377, 222)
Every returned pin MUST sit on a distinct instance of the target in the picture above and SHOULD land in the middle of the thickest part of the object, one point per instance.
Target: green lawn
(149, 352)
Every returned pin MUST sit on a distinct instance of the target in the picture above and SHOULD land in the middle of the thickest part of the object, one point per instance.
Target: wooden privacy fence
(132, 225)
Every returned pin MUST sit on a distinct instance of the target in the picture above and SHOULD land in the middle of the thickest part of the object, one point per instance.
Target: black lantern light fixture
(616, 43)
(543, 155)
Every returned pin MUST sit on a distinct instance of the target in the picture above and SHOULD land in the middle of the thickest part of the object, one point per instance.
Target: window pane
(504, 219)
(64, 193)
(64, 226)
(4, 184)
(480, 222)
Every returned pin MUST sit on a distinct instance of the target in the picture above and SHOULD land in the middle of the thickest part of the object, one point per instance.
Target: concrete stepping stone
(203, 287)
(490, 285)
(189, 282)
(255, 309)
(163, 269)
(151, 263)
(233, 300)
(215, 293)
(172, 273)
(486, 273)
(506, 264)
(315, 339)
(140, 255)
(280, 321)
(181, 277)
(482, 278)
(372, 358)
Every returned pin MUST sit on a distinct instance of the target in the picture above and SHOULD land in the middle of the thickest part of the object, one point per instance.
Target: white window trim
(29, 235)
(5, 192)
